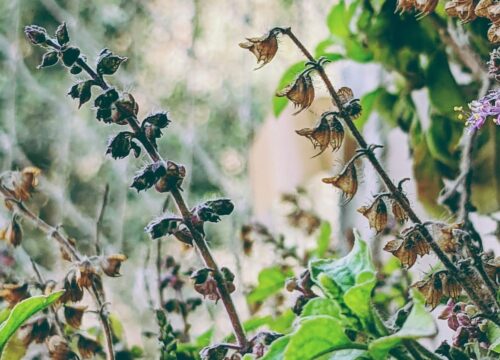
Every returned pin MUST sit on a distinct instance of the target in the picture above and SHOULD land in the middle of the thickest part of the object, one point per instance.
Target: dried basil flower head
(120, 145)
(264, 48)
(347, 181)
(163, 225)
(108, 63)
(35, 34)
(376, 214)
(300, 92)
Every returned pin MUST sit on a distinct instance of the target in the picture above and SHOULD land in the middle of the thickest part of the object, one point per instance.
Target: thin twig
(398, 195)
(161, 299)
(146, 280)
(100, 218)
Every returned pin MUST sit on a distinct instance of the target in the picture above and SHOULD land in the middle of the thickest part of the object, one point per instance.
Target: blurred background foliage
(183, 57)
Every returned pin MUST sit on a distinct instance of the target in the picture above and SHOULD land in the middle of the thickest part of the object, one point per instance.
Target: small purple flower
(487, 107)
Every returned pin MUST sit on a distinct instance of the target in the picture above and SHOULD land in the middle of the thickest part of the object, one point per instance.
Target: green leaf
(323, 240)
(442, 138)
(205, 338)
(277, 349)
(368, 101)
(322, 306)
(22, 311)
(350, 279)
(338, 21)
(116, 327)
(419, 323)
(493, 335)
(350, 354)
(4, 314)
(271, 280)
(14, 349)
(356, 51)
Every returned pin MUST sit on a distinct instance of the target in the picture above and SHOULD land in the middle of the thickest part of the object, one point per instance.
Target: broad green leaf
(338, 21)
(350, 354)
(14, 349)
(356, 51)
(22, 311)
(205, 338)
(322, 306)
(315, 335)
(493, 334)
(323, 240)
(367, 101)
(277, 349)
(358, 297)
(117, 327)
(4, 314)
(419, 324)
(271, 280)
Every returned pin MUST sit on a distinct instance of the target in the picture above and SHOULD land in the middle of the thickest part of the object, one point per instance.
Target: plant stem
(396, 193)
(55, 234)
(158, 274)
(100, 218)
(199, 239)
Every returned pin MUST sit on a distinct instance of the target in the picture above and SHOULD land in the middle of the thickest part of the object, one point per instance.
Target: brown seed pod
(347, 181)
(25, 182)
(403, 250)
(13, 233)
(445, 238)
(493, 13)
(73, 291)
(482, 6)
(345, 94)
(36, 330)
(320, 135)
(264, 48)
(14, 293)
(88, 347)
(432, 289)
(425, 7)
(405, 5)
(337, 134)
(451, 286)
(174, 176)
(376, 214)
(59, 349)
(494, 33)
(492, 268)
(398, 212)
(111, 264)
(300, 92)
(74, 315)
(85, 274)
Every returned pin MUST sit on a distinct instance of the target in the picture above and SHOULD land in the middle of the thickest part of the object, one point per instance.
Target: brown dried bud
(124, 108)
(376, 214)
(451, 286)
(300, 92)
(49, 58)
(121, 144)
(432, 289)
(398, 212)
(264, 48)
(405, 5)
(347, 181)
(405, 251)
(108, 63)
(73, 292)
(163, 225)
(111, 264)
(35, 34)
(86, 274)
(69, 55)
(24, 182)
(13, 233)
(326, 132)
(426, 6)
(159, 119)
(214, 352)
(59, 349)
(173, 177)
(36, 331)
(494, 34)
(482, 6)
(446, 239)
(205, 284)
(62, 35)
(74, 315)
(88, 347)
(492, 268)
(14, 293)
(291, 284)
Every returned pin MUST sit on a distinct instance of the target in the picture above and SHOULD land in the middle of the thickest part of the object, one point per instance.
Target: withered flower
(73, 292)
(82, 91)
(74, 314)
(163, 225)
(405, 251)
(14, 293)
(35, 34)
(446, 239)
(376, 214)
(112, 263)
(325, 133)
(214, 352)
(59, 349)
(49, 58)
(62, 35)
(124, 108)
(86, 274)
(425, 6)
(120, 145)
(36, 331)
(264, 48)
(463, 9)
(492, 268)
(482, 6)
(108, 63)
(212, 210)
(432, 289)
(494, 33)
(205, 284)
(88, 347)
(451, 287)
(347, 181)
(174, 176)
(405, 5)
(13, 233)
(24, 182)
(399, 214)
(300, 92)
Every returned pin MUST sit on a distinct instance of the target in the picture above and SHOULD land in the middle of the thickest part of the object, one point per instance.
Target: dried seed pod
(205, 284)
(445, 238)
(73, 292)
(148, 176)
(214, 352)
(112, 263)
(13, 233)
(405, 251)
(36, 331)
(425, 7)
(82, 91)
(264, 48)
(35, 34)
(74, 314)
(174, 176)
(124, 108)
(107, 98)
(432, 289)
(69, 55)
(59, 349)
(493, 13)
(88, 347)
(494, 34)
(246, 239)
(212, 210)
(75, 69)
(337, 134)
(120, 145)
(14, 293)
(399, 214)
(347, 181)
(492, 268)
(25, 182)
(49, 58)
(376, 214)
(62, 35)
(320, 136)
(345, 94)
(300, 92)
(183, 234)
(163, 225)
(405, 5)
(451, 286)
(86, 274)
(108, 63)
(482, 6)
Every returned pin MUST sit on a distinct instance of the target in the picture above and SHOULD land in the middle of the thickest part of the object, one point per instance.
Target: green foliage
(271, 280)
(323, 239)
(14, 349)
(22, 312)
